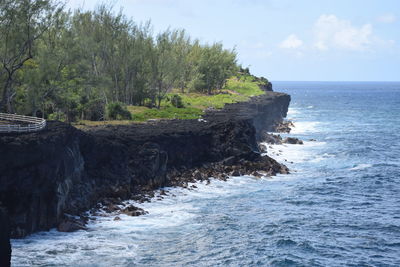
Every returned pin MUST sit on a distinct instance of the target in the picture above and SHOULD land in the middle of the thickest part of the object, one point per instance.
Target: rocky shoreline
(49, 178)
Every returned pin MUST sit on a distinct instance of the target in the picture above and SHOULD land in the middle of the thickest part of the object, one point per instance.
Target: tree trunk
(5, 106)
(209, 90)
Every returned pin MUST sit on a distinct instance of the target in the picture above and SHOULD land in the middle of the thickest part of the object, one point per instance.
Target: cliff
(63, 170)
(5, 247)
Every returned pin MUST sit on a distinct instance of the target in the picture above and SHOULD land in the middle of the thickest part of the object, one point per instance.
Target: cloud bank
(332, 32)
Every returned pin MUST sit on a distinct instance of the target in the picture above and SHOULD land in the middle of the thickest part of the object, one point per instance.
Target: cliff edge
(63, 171)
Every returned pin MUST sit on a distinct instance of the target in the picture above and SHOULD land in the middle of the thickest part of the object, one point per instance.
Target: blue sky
(287, 40)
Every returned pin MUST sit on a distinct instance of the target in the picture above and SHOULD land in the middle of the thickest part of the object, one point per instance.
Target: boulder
(284, 127)
(72, 224)
(272, 139)
(235, 173)
(293, 141)
(133, 211)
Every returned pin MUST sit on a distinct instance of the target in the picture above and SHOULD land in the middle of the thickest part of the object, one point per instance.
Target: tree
(215, 65)
(22, 23)
(165, 65)
(71, 65)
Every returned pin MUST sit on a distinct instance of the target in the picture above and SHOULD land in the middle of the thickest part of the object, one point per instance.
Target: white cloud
(291, 42)
(332, 32)
(386, 18)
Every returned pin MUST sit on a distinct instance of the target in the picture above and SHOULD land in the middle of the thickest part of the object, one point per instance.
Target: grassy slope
(195, 103)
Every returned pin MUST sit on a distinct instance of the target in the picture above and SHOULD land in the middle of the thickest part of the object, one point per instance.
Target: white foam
(302, 127)
(293, 111)
(288, 153)
(321, 157)
(109, 238)
(113, 238)
(360, 167)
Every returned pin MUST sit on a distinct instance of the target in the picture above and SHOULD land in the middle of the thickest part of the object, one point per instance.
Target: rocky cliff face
(5, 247)
(37, 172)
(62, 170)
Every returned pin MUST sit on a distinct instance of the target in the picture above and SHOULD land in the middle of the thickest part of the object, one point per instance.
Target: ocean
(340, 206)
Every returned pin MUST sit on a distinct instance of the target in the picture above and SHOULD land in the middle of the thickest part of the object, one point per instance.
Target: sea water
(340, 206)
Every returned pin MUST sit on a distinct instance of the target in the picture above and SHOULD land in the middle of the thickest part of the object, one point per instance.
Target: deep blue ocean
(340, 206)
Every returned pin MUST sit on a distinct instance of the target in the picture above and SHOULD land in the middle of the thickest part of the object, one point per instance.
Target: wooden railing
(28, 124)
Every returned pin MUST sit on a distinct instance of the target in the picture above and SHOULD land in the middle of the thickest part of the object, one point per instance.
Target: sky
(286, 40)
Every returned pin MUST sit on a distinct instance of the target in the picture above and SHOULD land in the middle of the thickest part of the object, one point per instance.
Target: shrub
(117, 111)
(94, 110)
(56, 116)
(176, 101)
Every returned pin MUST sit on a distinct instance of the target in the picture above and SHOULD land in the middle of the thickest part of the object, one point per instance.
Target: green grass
(211, 101)
(244, 86)
(168, 112)
(235, 90)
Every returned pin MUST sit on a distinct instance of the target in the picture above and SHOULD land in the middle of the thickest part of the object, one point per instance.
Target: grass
(85, 123)
(235, 90)
(211, 101)
(167, 112)
(244, 86)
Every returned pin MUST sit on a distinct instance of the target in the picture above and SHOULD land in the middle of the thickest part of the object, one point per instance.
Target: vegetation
(99, 65)
(117, 111)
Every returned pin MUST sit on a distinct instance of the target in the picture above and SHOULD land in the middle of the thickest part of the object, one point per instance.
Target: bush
(176, 101)
(117, 111)
(56, 116)
(94, 110)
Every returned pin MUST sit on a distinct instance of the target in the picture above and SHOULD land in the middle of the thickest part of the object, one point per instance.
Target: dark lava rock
(284, 127)
(5, 246)
(62, 169)
(293, 141)
(71, 224)
(133, 211)
(272, 139)
(111, 208)
(235, 173)
(263, 148)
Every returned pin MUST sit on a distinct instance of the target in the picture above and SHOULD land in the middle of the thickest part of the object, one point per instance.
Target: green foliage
(215, 66)
(211, 101)
(244, 86)
(72, 63)
(57, 116)
(194, 103)
(168, 113)
(117, 111)
(176, 101)
(22, 23)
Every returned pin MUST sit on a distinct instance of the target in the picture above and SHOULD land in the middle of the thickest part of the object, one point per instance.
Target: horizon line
(334, 81)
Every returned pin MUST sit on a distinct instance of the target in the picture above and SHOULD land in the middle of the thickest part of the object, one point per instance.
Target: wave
(302, 127)
(293, 111)
(105, 236)
(288, 153)
(360, 167)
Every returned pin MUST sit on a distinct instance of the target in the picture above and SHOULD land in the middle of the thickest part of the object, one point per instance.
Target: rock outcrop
(5, 247)
(49, 176)
(293, 141)
(37, 174)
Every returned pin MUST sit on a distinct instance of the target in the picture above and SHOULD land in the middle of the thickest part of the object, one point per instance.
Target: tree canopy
(70, 65)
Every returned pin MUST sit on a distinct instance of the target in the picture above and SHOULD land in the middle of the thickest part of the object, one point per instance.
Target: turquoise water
(340, 206)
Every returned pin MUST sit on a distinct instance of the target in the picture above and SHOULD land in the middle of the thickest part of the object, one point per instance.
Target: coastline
(65, 171)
